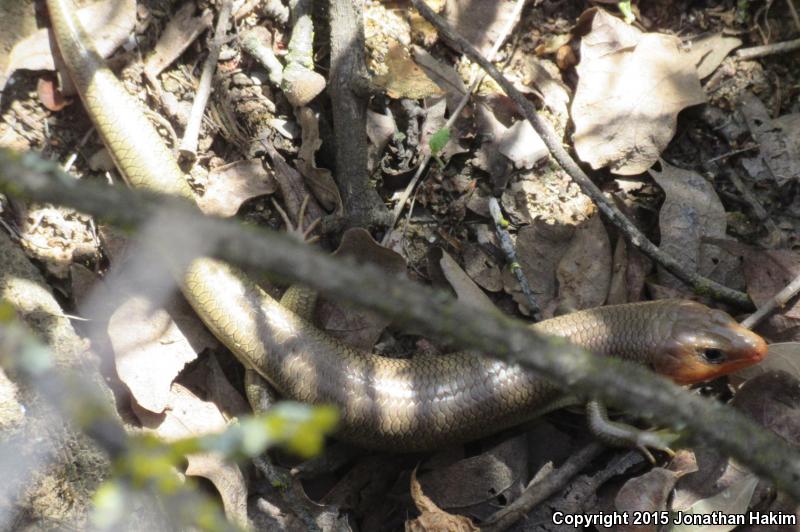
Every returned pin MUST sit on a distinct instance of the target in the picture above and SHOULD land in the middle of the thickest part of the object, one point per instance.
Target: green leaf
(627, 11)
(439, 140)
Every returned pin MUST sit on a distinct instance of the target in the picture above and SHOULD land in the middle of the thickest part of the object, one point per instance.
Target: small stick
(74, 155)
(475, 80)
(700, 285)
(188, 147)
(778, 300)
(542, 490)
(500, 224)
(768, 49)
(793, 11)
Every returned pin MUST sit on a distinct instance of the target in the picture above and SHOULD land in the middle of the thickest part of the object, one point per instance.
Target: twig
(617, 383)
(475, 80)
(768, 49)
(540, 491)
(500, 224)
(776, 237)
(74, 155)
(778, 300)
(252, 43)
(731, 153)
(188, 147)
(700, 285)
(793, 11)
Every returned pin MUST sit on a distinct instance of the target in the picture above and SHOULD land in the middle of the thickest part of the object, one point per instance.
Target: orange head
(704, 344)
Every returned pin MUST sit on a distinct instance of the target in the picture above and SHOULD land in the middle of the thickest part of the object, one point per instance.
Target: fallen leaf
(734, 499)
(187, 415)
(628, 273)
(49, 95)
(432, 518)
(149, 348)
(352, 325)
(778, 160)
(481, 22)
(540, 247)
(708, 51)
(522, 145)
(404, 78)
(292, 188)
(229, 186)
(227, 478)
(109, 22)
(319, 180)
(630, 90)
(584, 270)
(476, 485)
(465, 288)
(380, 130)
(692, 212)
(445, 76)
(643, 494)
(181, 31)
(482, 268)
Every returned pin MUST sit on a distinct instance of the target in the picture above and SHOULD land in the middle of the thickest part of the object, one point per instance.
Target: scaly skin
(398, 404)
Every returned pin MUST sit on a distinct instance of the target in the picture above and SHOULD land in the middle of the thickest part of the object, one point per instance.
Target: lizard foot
(297, 230)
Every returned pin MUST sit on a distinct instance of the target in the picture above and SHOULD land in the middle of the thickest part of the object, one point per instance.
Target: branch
(627, 386)
(701, 285)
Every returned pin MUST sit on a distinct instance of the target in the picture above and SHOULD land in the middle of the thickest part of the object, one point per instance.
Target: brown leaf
(227, 478)
(584, 271)
(474, 485)
(692, 211)
(229, 186)
(181, 31)
(187, 415)
(109, 22)
(319, 180)
(433, 518)
(380, 130)
(540, 247)
(150, 348)
(352, 325)
(482, 268)
(481, 22)
(465, 288)
(631, 88)
(404, 79)
(708, 51)
(49, 94)
(778, 160)
(646, 493)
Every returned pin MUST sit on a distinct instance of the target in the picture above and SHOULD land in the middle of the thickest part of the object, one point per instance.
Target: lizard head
(706, 343)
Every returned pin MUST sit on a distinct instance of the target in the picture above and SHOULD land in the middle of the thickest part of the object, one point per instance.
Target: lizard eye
(713, 355)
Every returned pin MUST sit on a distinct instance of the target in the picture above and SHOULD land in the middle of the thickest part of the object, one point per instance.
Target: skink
(398, 404)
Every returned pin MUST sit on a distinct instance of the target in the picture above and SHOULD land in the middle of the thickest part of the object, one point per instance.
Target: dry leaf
(150, 349)
(187, 415)
(404, 79)
(584, 271)
(354, 326)
(227, 478)
(646, 493)
(433, 518)
(631, 88)
(540, 247)
(475, 485)
(778, 160)
(109, 22)
(380, 130)
(482, 268)
(691, 212)
(481, 22)
(319, 180)
(465, 288)
(229, 186)
(181, 31)
(708, 51)
(773, 401)
(522, 145)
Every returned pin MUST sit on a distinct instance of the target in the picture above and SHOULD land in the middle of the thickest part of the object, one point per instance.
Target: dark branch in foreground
(701, 285)
(623, 385)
